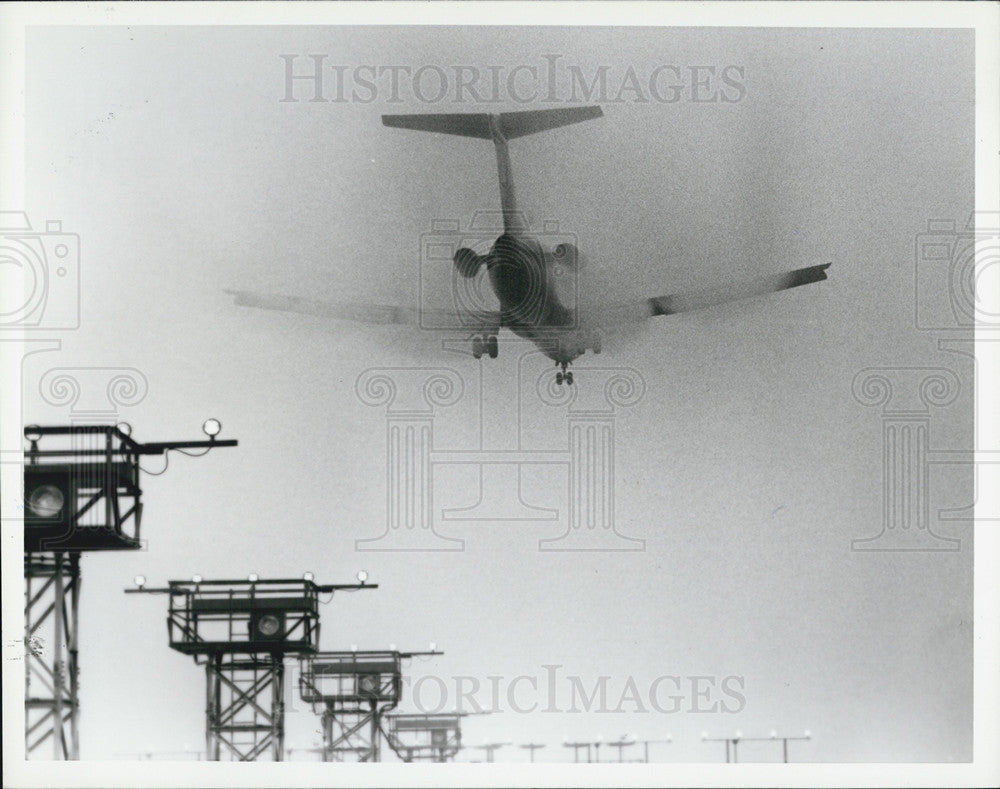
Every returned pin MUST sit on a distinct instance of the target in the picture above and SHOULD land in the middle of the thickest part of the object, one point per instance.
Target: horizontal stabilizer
(521, 124)
(466, 124)
(477, 124)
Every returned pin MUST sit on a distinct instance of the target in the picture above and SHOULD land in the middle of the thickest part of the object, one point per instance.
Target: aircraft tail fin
(477, 124)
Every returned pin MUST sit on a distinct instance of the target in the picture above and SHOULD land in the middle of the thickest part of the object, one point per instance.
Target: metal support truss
(243, 631)
(81, 493)
(433, 737)
(51, 604)
(245, 711)
(352, 733)
(353, 691)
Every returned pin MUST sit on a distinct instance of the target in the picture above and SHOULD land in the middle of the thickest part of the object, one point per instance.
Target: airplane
(520, 271)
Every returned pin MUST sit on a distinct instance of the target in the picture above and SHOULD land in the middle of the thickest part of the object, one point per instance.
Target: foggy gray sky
(747, 467)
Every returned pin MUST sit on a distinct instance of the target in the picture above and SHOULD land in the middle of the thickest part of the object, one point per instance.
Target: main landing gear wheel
(485, 344)
(564, 375)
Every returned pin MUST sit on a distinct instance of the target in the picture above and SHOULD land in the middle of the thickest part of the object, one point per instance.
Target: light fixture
(774, 734)
(354, 647)
(739, 735)
(392, 647)
(269, 625)
(253, 578)
(704, 736)
(32, 433)
(46, 501)
(211, 427)
(140, 581)
(308, 577)
(124, 428)
(670, 738)
(433, 645)
(362, 576)
(807, 734)
(196, 579)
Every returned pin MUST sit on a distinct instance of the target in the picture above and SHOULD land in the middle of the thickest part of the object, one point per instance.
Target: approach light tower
(242, 631)
(353, 691)
(580, 745)
(490, 749)
(732, 743)
(431, 736)
(531, 747)
(82, 493)
(646, 743)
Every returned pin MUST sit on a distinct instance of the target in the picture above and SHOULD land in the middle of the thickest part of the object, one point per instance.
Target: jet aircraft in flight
(520, 271)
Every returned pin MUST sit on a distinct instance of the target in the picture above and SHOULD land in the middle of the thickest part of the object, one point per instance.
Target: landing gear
(564, 375)
(591, 341)
(485, 344)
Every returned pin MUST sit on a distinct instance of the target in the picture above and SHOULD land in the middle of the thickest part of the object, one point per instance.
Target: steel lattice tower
(352, 691)
(242, 631)
(81, 494)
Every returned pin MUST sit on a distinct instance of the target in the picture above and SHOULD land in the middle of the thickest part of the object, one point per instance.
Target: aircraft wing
(638, 311)
(378, 314)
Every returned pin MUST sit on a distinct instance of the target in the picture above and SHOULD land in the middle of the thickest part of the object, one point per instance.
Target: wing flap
(373, 314)
(677, 303)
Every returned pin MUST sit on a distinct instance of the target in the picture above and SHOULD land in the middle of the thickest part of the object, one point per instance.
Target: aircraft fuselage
(520, 275)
